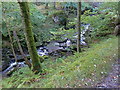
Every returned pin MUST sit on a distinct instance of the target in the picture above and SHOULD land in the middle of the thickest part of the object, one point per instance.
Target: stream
(49, 49)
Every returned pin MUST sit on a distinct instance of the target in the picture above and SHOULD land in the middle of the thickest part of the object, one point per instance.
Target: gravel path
(112, 81)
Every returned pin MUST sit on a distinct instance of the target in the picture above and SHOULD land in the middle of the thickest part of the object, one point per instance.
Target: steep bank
(79, 70)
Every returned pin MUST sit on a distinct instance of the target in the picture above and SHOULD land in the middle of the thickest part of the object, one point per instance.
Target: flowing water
(49, 48)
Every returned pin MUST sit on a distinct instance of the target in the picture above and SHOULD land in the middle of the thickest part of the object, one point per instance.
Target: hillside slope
(79, 70)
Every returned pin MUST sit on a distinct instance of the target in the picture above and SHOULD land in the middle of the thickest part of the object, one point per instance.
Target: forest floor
(112, 80)
(94, 67)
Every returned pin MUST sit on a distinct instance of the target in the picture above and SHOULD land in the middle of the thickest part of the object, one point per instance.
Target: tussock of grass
(79, 70)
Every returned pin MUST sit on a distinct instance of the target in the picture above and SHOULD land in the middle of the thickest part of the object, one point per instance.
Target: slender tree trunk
(46, 6)
(11, 42)
(21, 50)
(118, 8)
(36, 67)
(79, 27)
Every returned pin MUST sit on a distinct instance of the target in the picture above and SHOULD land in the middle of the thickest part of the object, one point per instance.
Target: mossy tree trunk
(79, 27)
(36, 67)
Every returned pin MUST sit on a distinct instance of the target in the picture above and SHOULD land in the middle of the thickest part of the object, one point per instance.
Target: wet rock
(4, 65)
(117, 30)
(13, 67)
(117, 21)
(58, 53)
(101, 86)
(9, 73)
(5, 58)
(42, 52)
(20, 58)
(0, 68)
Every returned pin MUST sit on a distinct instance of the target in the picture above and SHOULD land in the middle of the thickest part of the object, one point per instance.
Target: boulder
(117, 30)
(5, 65)
(117, 21)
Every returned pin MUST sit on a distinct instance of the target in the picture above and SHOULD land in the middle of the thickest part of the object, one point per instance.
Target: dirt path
(111, 81)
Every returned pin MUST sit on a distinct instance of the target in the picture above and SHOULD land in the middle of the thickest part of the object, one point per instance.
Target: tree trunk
(46, 6)
(118, 13)
(11, 42)
(36, 67)
(54, 3)
(79, 27)
(21, 50)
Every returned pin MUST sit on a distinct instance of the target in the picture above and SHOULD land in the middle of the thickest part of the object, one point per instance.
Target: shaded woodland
(60, 44)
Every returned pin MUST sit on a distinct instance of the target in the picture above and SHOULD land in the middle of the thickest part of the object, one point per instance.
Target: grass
(79, 70)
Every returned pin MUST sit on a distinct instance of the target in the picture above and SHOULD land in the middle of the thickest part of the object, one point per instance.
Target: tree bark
(36, 67)
(21, 50)
(79, 27)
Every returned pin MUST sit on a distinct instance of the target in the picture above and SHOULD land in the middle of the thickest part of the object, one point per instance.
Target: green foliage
(57, 13)
(109, 6)
(101, 23)
(64, 33)
(85, 4)
(69, 4)
(12, 20)
(74, 5)
(11, 17)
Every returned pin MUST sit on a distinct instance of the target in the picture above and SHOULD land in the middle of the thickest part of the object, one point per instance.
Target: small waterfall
(10, 67)
(83, 38)
(13, 66)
